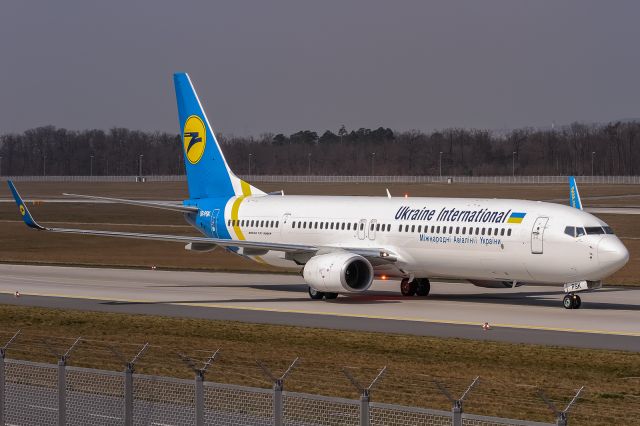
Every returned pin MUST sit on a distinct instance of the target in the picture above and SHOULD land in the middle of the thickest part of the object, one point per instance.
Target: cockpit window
(594, 230)
(607, 230)
(579, 232)
(570, 231)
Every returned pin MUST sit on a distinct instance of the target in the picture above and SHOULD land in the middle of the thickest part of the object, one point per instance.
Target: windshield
(594, 230)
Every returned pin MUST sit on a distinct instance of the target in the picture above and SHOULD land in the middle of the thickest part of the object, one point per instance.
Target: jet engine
(338, 273)
(495, 284)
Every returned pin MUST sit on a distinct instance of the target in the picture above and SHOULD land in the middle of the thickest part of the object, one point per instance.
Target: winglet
(574, 195)
(24, 211)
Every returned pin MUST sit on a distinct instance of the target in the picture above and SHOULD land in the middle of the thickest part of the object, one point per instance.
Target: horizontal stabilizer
(152, 204)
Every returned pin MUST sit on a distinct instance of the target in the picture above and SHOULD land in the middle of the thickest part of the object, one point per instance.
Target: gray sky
(289, 65)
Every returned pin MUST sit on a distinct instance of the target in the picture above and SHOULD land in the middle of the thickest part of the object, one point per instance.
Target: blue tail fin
(574, 195)
(208, 174)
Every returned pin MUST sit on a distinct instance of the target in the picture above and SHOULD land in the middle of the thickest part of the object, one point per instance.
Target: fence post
(365, 394)
(199, 386)
(561, 416)
(456, 409)
(278, 387)
(130, 368)
(62, 379)
(3, 354)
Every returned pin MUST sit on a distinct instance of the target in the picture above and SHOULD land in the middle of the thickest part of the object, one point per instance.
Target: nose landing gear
(571, 301)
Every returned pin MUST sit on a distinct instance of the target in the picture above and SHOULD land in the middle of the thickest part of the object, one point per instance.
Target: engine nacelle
(495, 284)
(338, 273)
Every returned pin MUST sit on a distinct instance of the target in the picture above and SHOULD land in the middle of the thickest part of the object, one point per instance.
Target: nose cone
(612, 254)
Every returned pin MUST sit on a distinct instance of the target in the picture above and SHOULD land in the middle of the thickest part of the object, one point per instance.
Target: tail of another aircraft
(208, 174)
(574, 195)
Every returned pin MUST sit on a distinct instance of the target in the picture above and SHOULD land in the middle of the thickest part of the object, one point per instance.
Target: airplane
(342, 243)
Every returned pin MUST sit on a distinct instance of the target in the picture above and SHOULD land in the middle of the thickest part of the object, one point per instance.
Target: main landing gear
(571, 301)
(319, 295)
(419, 286)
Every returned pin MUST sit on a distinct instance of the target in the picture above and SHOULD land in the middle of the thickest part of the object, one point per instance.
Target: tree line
(579, 149)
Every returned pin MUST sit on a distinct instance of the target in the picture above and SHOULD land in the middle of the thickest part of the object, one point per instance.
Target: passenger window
(262, 223)
(349, 226)
(362, 226)
(502, 232)
(252, 223)
(482, 231)
(277, 223)
(342, 226)
(451, 229)
(438, 229)
(457, 229)
(400, 228)
(432, 229)
(419, 228)
(488, 231)
(570, 231)
(377, 227)
(495, 231)
(464, 230)
(413, 228)
(509, 232)
(293, 224)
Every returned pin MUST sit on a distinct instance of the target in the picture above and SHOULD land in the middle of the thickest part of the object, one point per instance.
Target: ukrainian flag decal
(23, 211)
(516, 217)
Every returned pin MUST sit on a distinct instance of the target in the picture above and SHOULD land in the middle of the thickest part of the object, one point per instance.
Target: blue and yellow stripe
(516, 217)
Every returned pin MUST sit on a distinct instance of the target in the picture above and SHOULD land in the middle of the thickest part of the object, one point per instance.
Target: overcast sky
(275, 66)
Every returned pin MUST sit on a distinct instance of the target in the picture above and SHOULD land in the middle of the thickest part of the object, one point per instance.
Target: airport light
(593, 154)
(440, 163)
(91, 166)
(513, 163)
(140, 165)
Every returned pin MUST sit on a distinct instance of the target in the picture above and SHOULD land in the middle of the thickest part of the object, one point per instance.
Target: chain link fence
(59, 394)
(527, 180)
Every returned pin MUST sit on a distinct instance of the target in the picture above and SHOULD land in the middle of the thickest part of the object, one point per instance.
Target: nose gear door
(537, 235)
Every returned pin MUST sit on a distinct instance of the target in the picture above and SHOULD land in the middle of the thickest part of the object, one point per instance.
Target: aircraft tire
(408, 288)
(330, 296)
(315, 294)
(423, 287)
(577, 302)
(567, 301)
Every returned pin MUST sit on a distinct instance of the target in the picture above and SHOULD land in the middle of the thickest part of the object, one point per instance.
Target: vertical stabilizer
(208, 174)
(574, 195)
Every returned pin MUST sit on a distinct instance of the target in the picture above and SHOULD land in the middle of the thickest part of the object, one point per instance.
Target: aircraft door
(361, 228)
(537, 235)
(214, 223)
(372, 229)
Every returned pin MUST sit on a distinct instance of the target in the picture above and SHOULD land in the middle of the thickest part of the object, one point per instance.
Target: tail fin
(208, 174)
(574, 195)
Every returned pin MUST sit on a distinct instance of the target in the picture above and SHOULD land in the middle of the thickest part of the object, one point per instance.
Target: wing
(298, 252)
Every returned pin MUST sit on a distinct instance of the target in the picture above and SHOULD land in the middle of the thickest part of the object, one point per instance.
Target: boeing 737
(341, 244)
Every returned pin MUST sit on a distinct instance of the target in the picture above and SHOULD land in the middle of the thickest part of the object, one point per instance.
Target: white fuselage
(482, 239)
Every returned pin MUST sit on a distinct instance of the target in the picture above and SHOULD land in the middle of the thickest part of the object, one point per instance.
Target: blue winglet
(24, 211)
(574, 195)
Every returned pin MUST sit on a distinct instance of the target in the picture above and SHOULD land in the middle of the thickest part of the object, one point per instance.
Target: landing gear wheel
(315, 294)
(423, 287)
(577, 302)
(408, 288)
(571, 301)
(330, 296)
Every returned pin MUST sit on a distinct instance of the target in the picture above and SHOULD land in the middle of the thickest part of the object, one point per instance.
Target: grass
(510, 373)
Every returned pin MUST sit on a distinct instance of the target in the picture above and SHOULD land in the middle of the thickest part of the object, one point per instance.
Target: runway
(608, 318)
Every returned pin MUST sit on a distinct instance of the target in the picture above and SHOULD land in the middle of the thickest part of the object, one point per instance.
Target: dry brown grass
(510, 373)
